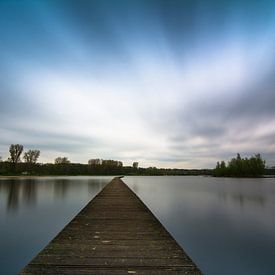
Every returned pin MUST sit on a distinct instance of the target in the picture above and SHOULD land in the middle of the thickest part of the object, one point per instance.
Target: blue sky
(166, 83)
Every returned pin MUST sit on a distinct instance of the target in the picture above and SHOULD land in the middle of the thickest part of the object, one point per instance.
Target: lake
(226, 225)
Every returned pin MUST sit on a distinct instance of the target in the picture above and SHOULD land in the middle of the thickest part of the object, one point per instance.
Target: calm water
(33, 211)
(227, 226)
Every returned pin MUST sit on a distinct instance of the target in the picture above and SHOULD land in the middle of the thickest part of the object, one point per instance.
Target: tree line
(63, 166)
(241, 167)
(236, 167)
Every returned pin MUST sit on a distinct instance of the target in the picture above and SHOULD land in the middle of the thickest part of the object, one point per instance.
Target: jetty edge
(115, 233)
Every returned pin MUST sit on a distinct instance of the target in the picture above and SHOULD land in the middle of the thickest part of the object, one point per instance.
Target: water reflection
(34, 210)
(243, 199)
(218, 221)
(61, 187)
(135, 188)
(18, 192)
(30, 192)
(13, 190)
(24, 191)
(95, 184)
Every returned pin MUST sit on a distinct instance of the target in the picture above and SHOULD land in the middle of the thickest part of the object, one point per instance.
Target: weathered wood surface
(114, 234)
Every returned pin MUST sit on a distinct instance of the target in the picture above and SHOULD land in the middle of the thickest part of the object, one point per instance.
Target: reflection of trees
(29, 191)
(243, 199)
(13, 195)
(61, 187)
(96, 185)
(14, 188)
(25, 191)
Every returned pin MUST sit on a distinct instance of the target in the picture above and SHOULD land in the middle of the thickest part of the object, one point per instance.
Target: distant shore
(60, 176)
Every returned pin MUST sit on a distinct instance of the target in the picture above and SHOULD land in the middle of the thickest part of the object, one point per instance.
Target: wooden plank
(114, 234)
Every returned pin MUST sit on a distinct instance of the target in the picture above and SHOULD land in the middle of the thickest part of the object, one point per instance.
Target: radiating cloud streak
(167, 83)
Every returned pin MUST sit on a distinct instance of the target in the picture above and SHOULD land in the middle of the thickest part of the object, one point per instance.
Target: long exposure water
(33, 211)
(226, 225)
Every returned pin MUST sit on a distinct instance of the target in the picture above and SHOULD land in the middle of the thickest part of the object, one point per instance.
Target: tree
(111, 163)
(257, 165)
(241, 167)
(15, 152)
(62, 160)
(135, 165)
(95, 161)
(31, 156)
(223, 168)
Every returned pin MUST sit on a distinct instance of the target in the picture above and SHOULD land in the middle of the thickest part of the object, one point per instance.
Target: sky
(180, 84)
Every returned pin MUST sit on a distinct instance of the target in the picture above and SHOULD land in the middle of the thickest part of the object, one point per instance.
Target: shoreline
(56, 176)
(53, 176)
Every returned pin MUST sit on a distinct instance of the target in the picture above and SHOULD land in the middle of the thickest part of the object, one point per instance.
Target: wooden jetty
(114, 234)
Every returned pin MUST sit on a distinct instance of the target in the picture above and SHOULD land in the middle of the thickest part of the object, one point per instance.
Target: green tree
(15, 152)
(241, 167)
(257, 165)
(223, 168)
(31, 156)
(62, 160)
(95, 161)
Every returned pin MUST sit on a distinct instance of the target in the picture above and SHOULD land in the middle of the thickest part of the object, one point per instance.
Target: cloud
(166, 86)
